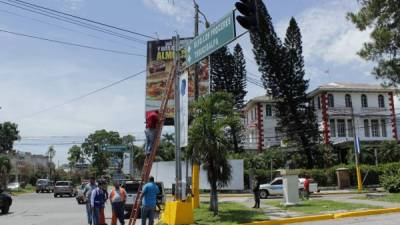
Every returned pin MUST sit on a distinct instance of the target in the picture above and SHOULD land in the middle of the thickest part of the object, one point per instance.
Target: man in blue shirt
(150, 192)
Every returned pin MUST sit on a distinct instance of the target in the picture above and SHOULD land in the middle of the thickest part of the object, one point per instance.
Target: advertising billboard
(160, 56)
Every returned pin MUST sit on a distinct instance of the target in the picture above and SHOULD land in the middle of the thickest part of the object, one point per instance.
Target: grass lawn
(387, 198)
(318, 206)
(28, 189)
(229, 213)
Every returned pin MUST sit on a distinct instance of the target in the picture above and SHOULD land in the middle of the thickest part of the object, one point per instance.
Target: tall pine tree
(282, 69)
(297, 117)
(239, 77)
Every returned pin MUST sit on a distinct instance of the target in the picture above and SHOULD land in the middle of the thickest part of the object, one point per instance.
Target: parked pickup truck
(131, 188)
(276, 187)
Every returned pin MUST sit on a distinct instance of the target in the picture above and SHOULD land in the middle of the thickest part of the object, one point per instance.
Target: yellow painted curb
(294, 220)
(366, 212)
(325, 217)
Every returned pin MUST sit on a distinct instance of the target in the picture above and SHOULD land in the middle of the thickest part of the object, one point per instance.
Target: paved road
(44, 209)
(384, 219)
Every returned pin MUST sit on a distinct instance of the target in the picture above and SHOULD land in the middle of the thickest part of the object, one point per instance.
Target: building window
(332, 125)
(331, 102)
(350, 128)
(319, 102)
(348, 101)
(268, 110)
(375, 128)
(364, 101)
(383, 127)
(381, 101)
(366, 128)
(341, 127)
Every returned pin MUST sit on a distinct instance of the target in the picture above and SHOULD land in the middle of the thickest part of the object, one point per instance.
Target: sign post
(218, 35)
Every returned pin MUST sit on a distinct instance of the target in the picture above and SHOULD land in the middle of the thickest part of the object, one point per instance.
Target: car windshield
(131, 188)
(41, 182)
(62, 183)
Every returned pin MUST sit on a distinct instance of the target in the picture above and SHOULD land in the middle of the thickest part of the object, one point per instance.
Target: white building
(336, 104)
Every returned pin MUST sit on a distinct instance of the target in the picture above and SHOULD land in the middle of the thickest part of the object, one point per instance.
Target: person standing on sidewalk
(151, 126)
(306, 187)
(97, 202)
(256, 191)
(150, 192)
(117, 200)
(105, 193)
(87, 193)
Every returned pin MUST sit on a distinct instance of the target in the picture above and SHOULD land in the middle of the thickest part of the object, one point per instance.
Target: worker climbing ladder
(149, 159)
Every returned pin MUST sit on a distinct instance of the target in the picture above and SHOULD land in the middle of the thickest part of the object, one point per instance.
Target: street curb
(325, 217)
(365, 212)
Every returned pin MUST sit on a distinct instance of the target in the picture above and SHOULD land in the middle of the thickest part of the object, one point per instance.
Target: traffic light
(248, 19)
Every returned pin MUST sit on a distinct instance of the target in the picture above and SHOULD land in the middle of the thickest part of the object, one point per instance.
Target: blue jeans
(96, 216)
(89, 213)
(150, 135)
(148, 212)
(118, 211)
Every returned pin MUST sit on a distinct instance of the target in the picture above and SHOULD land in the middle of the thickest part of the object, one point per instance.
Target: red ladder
(148, 163)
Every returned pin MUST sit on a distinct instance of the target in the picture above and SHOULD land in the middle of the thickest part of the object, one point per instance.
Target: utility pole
(178, 167)
(356, 153)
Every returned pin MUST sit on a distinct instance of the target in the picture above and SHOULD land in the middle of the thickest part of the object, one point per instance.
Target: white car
(13, 186)
(276, 187)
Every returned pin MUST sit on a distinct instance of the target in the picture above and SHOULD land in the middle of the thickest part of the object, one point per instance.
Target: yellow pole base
(359, 181)
(196, 185)
(177, 213)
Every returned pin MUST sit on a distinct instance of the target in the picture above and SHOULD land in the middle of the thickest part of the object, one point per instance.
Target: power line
(74, 21)
(68, 29)
(72, 44)
(82, 96)
(85, 19)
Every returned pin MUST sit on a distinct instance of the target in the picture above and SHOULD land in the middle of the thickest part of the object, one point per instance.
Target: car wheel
(264, 194)
(37, 191)
(55, 196)
(5, 209)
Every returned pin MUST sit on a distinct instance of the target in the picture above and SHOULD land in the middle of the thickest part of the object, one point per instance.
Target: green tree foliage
(8, 134)
(92, 149)
(75, 155)
(5, 167)
(384, 48)
(282, 69)
(228, 74)
(213, 116)
(51, 152)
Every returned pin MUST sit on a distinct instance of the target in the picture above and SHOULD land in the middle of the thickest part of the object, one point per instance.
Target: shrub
(391, 183)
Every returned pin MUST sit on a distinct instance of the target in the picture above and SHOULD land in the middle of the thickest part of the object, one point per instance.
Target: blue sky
(35, 75)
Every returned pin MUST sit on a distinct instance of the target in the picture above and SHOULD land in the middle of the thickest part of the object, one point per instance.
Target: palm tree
(214, 118)
(5, 167)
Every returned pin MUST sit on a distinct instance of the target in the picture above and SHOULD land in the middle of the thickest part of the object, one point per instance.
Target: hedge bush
(371, 174)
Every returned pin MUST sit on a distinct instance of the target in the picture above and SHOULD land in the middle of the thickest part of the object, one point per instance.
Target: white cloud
(181, 11)
(328, 35)
(73, 4)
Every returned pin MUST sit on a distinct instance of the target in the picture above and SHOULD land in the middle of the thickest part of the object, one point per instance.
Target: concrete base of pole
(178, 212)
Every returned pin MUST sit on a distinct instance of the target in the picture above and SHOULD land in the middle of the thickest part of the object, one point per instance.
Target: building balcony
(358, 111)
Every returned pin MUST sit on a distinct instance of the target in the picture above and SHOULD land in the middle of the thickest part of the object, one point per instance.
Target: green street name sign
(115, 148)
(216, 36)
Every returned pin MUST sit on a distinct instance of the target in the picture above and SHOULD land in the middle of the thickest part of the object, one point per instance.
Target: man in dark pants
(88, 193)
(151, 126)
(150, 192)
(256, 191)
(117, 199)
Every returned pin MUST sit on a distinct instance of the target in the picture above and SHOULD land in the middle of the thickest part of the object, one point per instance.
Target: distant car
(275, 187)
(80, 197)
(62, 188)
(44, 185)
(13, 186)
(131, 188)
(5, 202)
